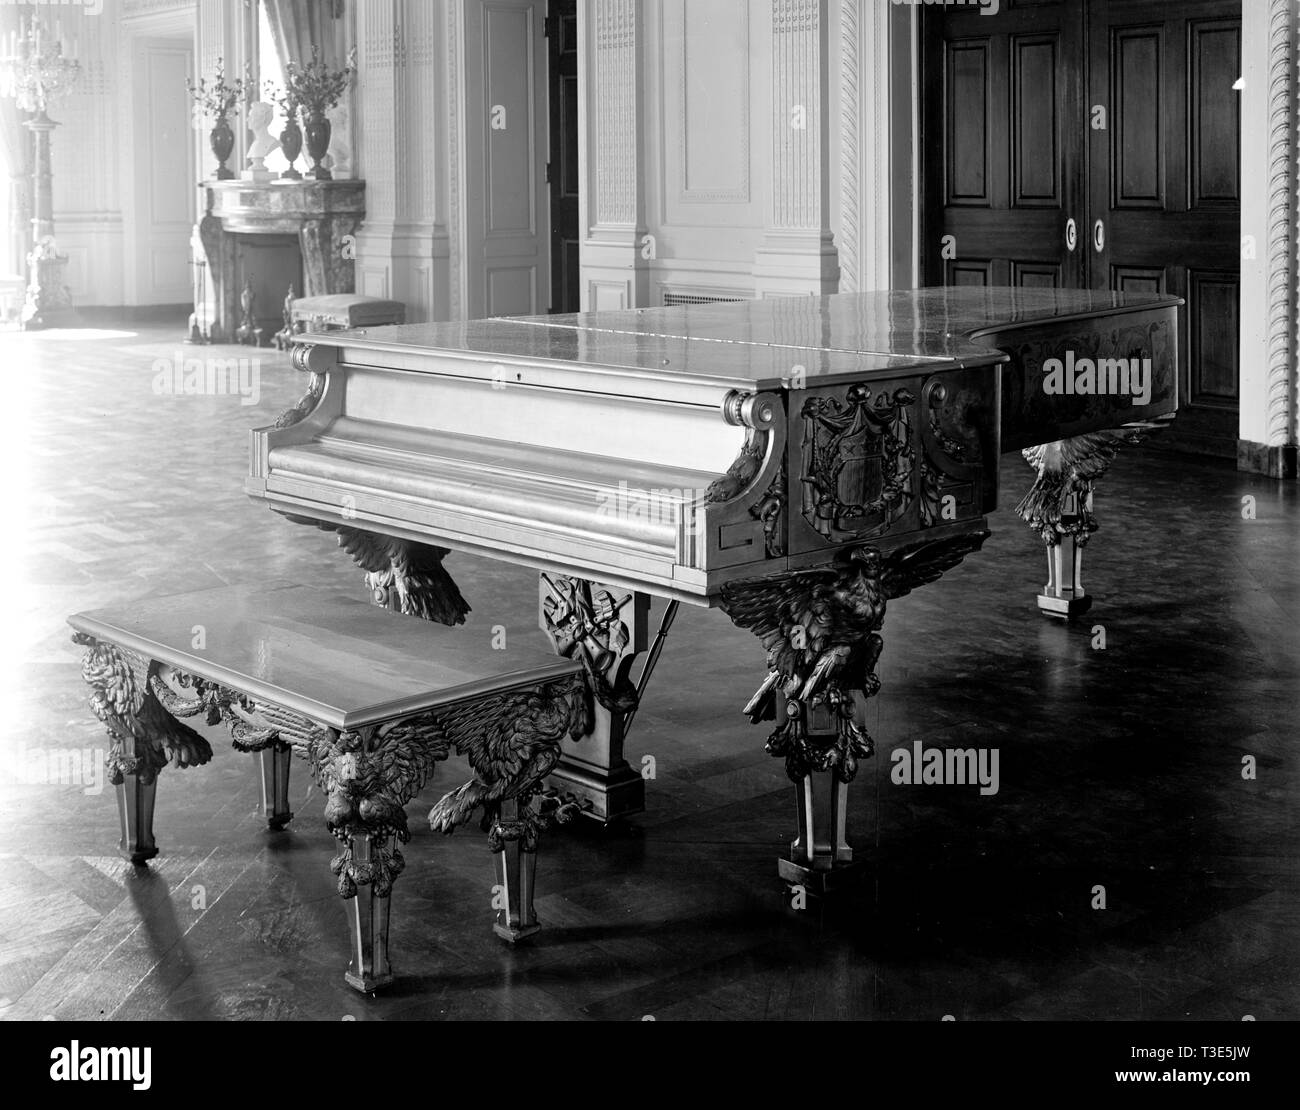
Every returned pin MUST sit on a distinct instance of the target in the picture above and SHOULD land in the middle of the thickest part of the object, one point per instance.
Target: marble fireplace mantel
(323, 215)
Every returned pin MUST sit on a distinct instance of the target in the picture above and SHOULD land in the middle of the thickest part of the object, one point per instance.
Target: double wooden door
(1095, 144)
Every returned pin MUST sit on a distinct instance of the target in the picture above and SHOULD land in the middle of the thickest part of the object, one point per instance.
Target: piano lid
(749, 345)
(945, 322)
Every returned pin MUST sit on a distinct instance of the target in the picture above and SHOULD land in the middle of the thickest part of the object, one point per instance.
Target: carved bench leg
(275, 759)
(145, 737)
(135, 801)
(369, 968)
(514, 844)
(512, 739)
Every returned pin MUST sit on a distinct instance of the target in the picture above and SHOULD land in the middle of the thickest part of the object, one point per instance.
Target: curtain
(297, 25)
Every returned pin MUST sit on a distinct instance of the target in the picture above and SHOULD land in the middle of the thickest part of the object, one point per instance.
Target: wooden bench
(372, 700)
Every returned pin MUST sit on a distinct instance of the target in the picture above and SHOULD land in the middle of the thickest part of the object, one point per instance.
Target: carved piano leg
(1059, 507)
(821, 629)
(366, 859)
(513, 840)
(606, 630)
(820, 855)
(143, 736)
(275, 785)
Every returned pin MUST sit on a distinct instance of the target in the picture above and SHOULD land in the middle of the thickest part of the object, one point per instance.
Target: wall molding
(798, 253)
(740, 194)
(1282, 216)
(617, 127)
(850, 236)
(458, 287)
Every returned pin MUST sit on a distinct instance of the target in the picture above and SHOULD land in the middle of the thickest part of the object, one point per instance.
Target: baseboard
(1272, 461)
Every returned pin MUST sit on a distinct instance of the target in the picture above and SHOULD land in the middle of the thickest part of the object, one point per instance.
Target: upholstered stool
(371, 699)
(344, 310)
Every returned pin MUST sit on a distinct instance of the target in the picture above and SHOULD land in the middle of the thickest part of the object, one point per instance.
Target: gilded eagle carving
(368, 775)
(1057, 503)
(821, 632)
(402, 574)
(512, 741)
(145, 737)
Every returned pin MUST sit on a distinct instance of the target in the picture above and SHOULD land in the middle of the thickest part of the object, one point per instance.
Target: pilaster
(402, 247)
(1270, 416)
(616, 253)
(863, 198)
(798, 253)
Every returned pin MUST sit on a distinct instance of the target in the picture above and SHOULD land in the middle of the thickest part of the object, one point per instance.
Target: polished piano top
(675, 449)
(753, 344)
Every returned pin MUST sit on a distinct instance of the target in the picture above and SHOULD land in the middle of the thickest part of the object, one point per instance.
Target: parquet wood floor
(1119, 768)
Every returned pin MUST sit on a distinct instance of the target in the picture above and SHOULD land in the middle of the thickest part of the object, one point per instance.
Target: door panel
(1164, 181)
(562, 173)
(1119, 115)
(506, 198)
(161, 216)
(1008, 175)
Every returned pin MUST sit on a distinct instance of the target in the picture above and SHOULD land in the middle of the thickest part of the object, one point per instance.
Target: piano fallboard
(674, 450)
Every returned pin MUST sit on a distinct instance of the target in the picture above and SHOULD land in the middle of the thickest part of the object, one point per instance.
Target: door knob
(1099, 236)
(1071, 234)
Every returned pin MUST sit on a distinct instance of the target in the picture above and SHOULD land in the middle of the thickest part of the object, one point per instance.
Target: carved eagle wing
(512, 741)
(921, 563)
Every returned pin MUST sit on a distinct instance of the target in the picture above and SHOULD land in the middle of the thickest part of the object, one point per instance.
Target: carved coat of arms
(857, 461)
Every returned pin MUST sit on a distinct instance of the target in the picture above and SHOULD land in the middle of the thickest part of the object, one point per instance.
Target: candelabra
(36, 67)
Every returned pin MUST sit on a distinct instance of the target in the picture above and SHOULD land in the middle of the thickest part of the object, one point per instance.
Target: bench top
(337, 660)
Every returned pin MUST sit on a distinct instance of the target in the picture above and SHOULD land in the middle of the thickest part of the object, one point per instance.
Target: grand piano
(794, 462)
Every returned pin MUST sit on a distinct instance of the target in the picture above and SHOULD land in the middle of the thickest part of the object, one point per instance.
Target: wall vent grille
(671, 299)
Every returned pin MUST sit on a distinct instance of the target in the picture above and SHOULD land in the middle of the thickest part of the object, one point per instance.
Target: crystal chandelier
(37, 65)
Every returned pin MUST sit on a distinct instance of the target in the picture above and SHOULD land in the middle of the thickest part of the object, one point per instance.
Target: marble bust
(339, 159)
(260, 115)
